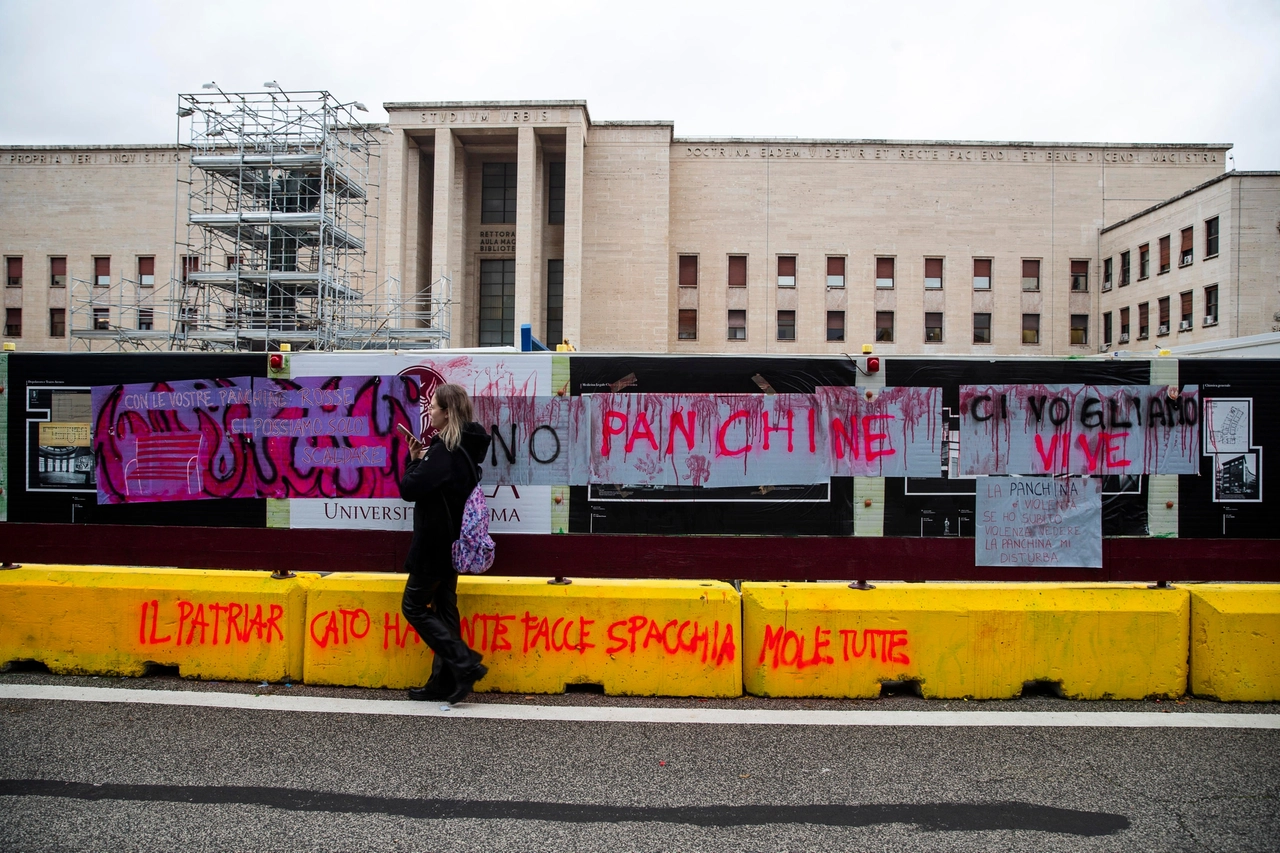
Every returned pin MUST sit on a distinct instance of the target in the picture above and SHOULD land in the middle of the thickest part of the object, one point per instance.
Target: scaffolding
(274, 218)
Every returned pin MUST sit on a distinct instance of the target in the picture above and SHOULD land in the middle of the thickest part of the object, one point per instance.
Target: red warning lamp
(873, 365)
(275, 361)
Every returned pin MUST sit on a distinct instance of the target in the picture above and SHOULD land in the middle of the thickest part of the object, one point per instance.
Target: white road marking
(604, 714)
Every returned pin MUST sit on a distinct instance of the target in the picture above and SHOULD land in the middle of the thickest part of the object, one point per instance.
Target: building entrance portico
(484, 203)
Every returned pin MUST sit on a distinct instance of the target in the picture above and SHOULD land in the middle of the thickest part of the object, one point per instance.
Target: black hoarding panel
(49, 414)
(824, 509)
(1240, 450)
(945, 506)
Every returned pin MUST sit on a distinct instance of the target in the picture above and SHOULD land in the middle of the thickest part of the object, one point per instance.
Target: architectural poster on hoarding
(59, 426)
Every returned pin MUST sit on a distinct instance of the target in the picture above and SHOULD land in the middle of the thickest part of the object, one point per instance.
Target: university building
(457, 223)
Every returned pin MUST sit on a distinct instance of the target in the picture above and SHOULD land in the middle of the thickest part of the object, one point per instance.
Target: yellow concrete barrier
(1235, 642)
(645, 638)
(210, 624)
(980, 641)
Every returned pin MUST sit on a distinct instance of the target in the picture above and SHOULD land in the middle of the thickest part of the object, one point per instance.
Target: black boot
(466, 682)
(438, 686)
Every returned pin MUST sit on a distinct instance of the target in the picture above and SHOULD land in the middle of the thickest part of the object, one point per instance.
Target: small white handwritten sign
(1053, 522)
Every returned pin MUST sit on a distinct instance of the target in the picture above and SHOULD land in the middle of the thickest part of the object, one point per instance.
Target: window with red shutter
(737, 270)
(981, 273)
(933, 273)
(835, 272)
(688, 270)
(884, 272)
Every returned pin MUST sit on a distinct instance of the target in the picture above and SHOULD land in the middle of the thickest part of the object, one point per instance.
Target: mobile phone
(408, 434)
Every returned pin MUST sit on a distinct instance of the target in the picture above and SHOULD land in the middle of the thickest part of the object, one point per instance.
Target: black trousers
(430, 604)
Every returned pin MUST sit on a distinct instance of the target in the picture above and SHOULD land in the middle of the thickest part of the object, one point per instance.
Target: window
(982, 328)
(1124, 325)
(1106, 329)
(146, 271)
(498, 303)
(1144, 261)
(555, 192)
(190, 264)
(786, 271)
(1080, 276)
(57, 322)
(146, 319)
(737, 270)
(933, 273)
(981, 273)
(688, 324)
(57, 272)
(102, 271)
(188, 319)
(1211, 305)
(835, 272)
(1124, 269)
(933, 327)
(884, 272)
(102, 319)
(555, 302)
(1106, 274)
(786, 325)
(835, 325)
(1164, 254)
(498, 192)
(14, 266)
(1187, 320)
(1144, 322)
(13, 322)
(1210, 237)
(1030, 275)
(884, 327)
(1031, 328)
(737, 325)
(1164, 316)
(1188, 239)
(1079, 329)
(688, 270)
(234, 262)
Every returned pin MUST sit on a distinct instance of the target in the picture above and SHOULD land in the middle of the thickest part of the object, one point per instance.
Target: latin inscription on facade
(941, 154)
(485, 116)
(88, 158)
(496, 241)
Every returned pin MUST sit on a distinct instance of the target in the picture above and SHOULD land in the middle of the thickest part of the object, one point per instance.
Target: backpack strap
(475, 471)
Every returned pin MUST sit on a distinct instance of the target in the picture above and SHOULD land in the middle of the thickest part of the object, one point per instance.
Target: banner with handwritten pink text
(1079, 429)
(754, 439)
(170, 441)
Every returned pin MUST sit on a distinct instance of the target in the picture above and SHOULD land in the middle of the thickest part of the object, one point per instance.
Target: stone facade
(610, 208)
(1228, 279)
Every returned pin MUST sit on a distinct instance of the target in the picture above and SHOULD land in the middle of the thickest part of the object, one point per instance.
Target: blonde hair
(453, 400)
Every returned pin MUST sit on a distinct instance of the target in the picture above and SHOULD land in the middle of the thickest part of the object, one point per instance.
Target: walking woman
(438, 479)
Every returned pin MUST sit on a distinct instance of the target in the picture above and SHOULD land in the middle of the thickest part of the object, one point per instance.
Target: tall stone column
(443, 262)
(528, 232)
(410, 169)
(574, 141)
(394, 201)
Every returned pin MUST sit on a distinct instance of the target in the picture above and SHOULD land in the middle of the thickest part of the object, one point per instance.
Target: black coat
(438, 485)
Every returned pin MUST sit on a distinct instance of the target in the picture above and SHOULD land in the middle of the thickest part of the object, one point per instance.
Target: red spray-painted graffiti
(784, 647)
(209, 624)
(530, 633)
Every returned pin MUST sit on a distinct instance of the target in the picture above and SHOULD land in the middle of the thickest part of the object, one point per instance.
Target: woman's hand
(417, 449)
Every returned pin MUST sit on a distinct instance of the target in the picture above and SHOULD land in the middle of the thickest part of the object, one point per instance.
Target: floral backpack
(473, 551)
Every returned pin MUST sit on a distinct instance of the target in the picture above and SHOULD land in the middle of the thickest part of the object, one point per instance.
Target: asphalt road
(124, 776)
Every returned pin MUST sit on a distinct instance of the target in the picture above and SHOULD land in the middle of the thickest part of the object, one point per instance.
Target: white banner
(512, 509)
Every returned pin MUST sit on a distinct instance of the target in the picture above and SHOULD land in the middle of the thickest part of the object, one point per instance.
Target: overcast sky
(109, 72)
